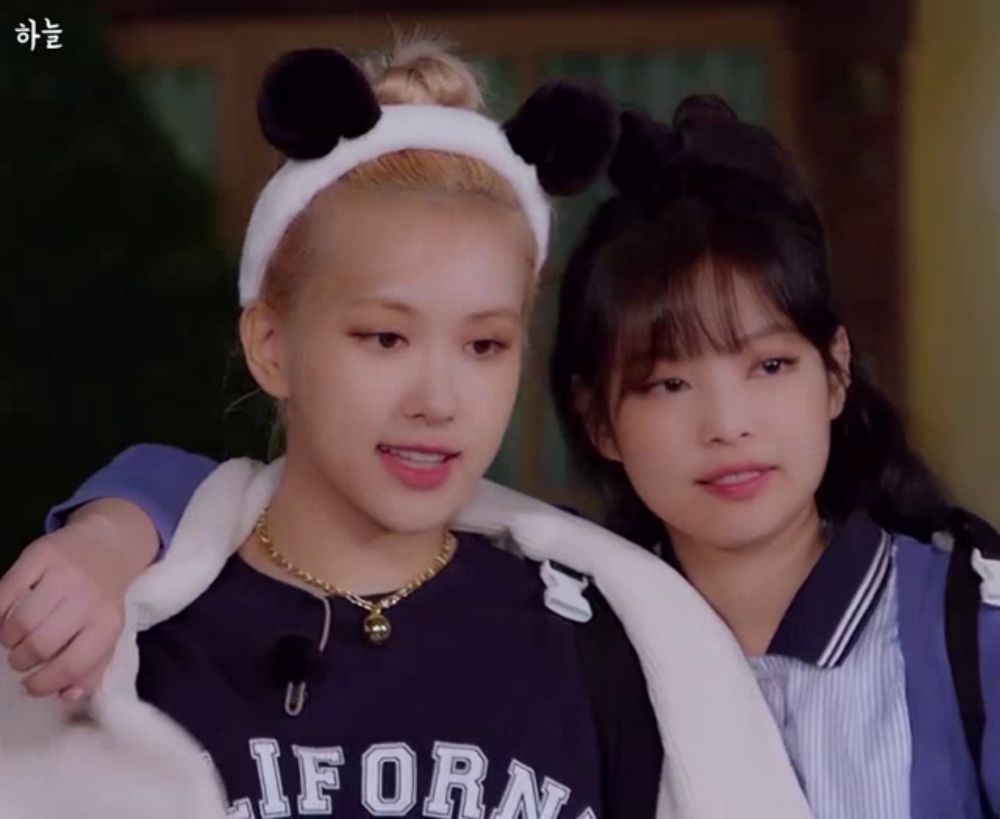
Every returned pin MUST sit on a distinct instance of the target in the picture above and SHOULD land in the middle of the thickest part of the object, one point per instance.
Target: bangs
(688, 303)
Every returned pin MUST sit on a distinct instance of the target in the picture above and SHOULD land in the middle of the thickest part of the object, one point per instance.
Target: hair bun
(653, 158)
(424, 71)
(701, 109)
(712, 134)
(643, 156)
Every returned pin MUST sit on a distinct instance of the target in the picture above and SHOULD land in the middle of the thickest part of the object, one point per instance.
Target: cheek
(805, 430)
(813, 439)
(323, 368)
(490, 392)
(649, 424)
(333, 382)
(653, 446)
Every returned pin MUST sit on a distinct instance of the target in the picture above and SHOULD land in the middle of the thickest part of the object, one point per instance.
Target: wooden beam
(849, 96)
(138, 10)
(236, 51)
(200, 40)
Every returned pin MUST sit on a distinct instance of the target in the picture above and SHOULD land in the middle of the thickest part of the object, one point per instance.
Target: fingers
(59, 622)
(25, 573)
(88, 685)
(51, 636)
(31, 610)
(79, 667)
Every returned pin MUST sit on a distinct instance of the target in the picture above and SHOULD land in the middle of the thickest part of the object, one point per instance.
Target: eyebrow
(406, 309)
(385, 304)
(770, 330)
(500, 312)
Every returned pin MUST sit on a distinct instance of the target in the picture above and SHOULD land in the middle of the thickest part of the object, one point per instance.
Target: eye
(388, 341)
(670, 385)
(486, 347)
(384, 340)
(773, 366)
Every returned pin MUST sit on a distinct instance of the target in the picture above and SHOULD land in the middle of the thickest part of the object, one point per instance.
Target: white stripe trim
(860, 604)
(859, 615)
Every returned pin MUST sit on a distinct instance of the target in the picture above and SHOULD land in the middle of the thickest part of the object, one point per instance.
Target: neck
(318, 530)
(752, 585)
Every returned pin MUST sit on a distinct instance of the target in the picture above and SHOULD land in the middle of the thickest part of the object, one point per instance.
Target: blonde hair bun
(424, 71)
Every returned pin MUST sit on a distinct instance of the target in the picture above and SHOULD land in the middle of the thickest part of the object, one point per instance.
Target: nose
(433, 394)
(726, 415)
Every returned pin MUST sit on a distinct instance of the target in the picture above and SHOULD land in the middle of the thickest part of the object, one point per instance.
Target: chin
(736, 528)
(411, 513)
(733, 539)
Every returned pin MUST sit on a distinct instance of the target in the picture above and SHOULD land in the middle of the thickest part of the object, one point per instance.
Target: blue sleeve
(989, 669)
(986, 563)
(158, 479)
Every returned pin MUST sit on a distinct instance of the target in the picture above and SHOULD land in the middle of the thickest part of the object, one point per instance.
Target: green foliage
(119, 302)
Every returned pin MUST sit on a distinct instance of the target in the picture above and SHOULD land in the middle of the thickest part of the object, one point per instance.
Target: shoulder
(970, 549)
(921, 564)
(496, 560)
(501, 575)
(550, 586)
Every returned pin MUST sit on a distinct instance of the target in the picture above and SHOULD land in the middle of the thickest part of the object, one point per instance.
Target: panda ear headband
(318, 108)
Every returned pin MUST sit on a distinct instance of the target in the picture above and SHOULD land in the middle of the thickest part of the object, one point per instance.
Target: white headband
(318, 108)
(400, 127)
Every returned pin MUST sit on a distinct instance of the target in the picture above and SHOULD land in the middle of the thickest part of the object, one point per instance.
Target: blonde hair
(423, 71)
(414, 71)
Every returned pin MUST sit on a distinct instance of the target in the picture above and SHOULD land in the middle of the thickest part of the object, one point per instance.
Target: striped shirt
(835, 681)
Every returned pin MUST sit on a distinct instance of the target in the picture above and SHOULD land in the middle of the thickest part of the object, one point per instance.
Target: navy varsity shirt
(475, 707)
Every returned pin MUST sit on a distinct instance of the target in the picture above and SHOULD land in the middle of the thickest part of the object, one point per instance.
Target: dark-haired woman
(708, 385)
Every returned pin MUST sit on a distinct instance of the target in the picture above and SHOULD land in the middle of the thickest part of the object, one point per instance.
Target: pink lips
(740, 482)
(418, 466)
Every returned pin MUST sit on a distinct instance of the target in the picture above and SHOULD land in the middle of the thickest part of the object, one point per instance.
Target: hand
(62, 602)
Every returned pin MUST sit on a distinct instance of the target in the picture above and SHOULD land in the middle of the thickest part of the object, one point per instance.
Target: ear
(567, 131)
(312, 98)
(263, 338)
(840, 379)
(602, 439)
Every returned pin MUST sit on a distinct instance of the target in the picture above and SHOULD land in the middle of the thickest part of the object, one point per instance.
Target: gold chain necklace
(377, 627)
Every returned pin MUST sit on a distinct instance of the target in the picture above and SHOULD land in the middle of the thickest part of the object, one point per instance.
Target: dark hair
(716, 197)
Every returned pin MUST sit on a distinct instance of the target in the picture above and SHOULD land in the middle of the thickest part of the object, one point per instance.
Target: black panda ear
(311, 98)
(645, 152)
(567, 131)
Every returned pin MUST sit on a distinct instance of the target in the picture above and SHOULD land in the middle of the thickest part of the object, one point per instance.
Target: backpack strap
(593, 640)
(627, 734)
(962, 605)
(628, 738)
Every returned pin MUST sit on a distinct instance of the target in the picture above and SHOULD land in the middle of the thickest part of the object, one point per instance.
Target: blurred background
(130, 158)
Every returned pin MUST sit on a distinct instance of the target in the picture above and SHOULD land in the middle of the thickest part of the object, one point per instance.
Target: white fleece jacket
(123, 758)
